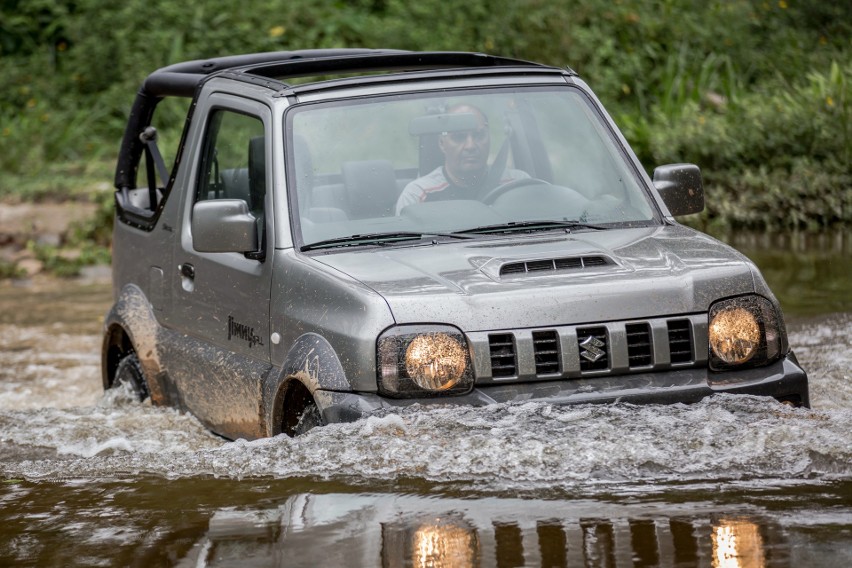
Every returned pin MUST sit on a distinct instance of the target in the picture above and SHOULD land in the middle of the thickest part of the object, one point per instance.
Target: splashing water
(55, 421)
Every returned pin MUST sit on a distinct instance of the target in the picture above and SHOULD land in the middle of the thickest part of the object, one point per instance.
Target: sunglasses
(460, 136)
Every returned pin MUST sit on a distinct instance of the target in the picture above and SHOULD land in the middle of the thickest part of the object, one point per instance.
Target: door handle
(187, 270)
(187, 277)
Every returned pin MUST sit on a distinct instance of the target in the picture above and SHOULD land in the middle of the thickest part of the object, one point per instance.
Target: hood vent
(553, 264)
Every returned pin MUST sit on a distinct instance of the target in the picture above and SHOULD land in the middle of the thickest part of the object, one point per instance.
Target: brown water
(88, 479)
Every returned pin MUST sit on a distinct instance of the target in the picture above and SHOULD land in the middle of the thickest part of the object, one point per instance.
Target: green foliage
(87, 242)
(97, 230)
(9, 270)
(761, 128)
(777, 159)
(744, 88)
(68, 262)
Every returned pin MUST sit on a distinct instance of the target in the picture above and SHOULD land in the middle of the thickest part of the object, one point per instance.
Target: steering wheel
(492, 195)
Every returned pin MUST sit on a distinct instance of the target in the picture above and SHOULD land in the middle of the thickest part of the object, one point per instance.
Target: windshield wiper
(379, 239)
(524, 226)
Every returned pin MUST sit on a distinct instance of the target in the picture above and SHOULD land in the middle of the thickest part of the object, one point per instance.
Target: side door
(221, 299)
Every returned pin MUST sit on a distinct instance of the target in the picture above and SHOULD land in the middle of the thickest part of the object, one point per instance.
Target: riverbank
(35, 238)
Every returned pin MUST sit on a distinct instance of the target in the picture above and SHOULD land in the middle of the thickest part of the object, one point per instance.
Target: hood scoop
(554, 264)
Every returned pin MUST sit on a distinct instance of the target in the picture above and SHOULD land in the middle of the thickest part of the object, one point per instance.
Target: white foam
(502, 447)
(51, 402)
(92, 447)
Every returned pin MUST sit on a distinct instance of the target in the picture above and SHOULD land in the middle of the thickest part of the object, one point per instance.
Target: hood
(542, 280)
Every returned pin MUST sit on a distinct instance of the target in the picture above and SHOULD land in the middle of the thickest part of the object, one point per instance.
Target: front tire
(129, 372)
(301, 412)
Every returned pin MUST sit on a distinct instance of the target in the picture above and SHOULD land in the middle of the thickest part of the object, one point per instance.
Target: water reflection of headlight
(737, 544)
(439, 545)
(444, 544)
(436, 541)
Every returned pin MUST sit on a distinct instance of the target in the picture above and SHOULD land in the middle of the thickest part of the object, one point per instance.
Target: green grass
(754, 92)
(62, 181)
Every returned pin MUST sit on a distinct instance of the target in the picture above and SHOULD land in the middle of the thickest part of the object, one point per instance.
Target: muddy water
(92, 479)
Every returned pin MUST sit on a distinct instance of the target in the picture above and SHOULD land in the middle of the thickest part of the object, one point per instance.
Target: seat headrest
(371, 187)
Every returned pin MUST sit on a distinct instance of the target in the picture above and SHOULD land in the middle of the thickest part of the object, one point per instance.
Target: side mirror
(223, 225)
(681, 188)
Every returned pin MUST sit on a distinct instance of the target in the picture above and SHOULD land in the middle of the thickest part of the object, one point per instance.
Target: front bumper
(783, 380)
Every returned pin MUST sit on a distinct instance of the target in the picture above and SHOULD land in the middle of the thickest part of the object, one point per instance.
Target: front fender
(313, 362)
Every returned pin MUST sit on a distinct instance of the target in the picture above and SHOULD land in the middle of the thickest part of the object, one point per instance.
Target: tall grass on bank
(776, 159)
(754, 92)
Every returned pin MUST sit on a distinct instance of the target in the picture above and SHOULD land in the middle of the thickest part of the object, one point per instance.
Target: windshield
(540, 159)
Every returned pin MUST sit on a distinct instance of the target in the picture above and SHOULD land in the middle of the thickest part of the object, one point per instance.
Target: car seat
(371, 188)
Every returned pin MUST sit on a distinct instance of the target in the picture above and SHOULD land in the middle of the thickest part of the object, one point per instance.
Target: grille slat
(546, 349)
(503, 360)
(680, 341)
(639, 352)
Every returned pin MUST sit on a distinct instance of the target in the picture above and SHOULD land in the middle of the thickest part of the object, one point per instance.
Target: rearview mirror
(440, 123)
(223, 225)
(681, 188)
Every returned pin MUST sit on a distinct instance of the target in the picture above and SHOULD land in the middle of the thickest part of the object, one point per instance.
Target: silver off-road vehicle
(345, 231)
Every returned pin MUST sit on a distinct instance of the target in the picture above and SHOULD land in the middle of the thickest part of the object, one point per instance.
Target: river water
(96, 480)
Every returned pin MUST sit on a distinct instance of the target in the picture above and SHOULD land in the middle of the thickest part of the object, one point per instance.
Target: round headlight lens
(435, 361)
(734, 335)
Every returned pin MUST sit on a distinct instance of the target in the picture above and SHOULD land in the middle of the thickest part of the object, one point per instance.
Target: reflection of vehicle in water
(430, 228)
(370, 530)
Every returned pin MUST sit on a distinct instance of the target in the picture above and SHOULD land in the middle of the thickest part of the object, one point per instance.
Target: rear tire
(129, 372)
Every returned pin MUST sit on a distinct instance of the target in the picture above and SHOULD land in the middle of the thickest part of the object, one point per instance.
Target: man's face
(466, 151)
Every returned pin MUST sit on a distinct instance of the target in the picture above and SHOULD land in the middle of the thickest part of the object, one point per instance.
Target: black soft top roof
(271, 69)
(182, 79)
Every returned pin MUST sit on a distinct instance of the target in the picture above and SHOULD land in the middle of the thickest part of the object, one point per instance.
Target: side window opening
(234, 165)
(138, 203)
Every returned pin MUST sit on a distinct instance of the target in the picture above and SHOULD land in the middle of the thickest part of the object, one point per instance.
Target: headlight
(744, 332)
(423, 360)
(734, 335)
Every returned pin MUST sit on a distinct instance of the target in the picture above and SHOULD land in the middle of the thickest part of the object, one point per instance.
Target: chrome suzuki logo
(592, 349)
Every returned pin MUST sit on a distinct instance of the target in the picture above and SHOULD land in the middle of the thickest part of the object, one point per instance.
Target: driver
(465, 173)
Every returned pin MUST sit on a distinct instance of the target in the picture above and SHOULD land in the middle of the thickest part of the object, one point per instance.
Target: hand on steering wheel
(492, 195)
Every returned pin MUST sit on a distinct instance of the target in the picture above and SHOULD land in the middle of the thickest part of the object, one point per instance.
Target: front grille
(639, 351)
(680, 341)
(502, 348)
(546, 350)
(610, 348)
